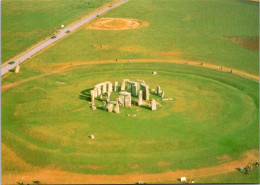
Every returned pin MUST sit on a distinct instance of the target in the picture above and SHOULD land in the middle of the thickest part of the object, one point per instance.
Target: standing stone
(98, 90)
(93, 107)
(121, 100)
(139, 82)
(110, 87)
(116, 108)
(110, 107)
(134, 89)
(116, 86)
(140, 97)
(162, 94)
(104, 88)
(128, 101)
(92, 93)
(17, 69)
(95, 92)
(123, 84)
(107, 97)
(129, 86)
(159, 91)
(145, 89)
(109, 93)
(153, 102)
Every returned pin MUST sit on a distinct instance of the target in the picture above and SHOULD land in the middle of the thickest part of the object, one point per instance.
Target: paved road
(38, 47)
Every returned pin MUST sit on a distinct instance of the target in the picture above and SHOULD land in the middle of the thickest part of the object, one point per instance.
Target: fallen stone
(167, 99)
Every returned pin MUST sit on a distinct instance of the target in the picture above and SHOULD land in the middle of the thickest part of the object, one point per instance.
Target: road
(62, 33)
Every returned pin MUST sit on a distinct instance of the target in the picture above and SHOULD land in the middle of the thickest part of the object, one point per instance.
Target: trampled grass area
(23, 23)
(213, 114)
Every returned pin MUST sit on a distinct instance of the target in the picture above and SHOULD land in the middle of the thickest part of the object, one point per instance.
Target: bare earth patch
(251, 43)
(52, 176)
(172, 53)
(223, 158)
(163, 163)
(117, 24)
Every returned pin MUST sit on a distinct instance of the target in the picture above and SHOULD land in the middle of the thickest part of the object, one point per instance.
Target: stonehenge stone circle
(129, 89)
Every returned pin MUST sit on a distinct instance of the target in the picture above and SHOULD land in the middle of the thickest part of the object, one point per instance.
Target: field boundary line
(70, 66)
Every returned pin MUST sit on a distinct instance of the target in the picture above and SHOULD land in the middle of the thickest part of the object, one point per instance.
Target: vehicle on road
(53, 37)
(67, 31)
(11, 62)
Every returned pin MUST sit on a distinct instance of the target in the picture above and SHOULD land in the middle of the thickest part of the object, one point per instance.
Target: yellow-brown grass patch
(117, 24)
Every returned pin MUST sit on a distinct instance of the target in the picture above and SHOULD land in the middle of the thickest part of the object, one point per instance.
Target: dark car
(53, 37)
(11, 62)
(67, 31)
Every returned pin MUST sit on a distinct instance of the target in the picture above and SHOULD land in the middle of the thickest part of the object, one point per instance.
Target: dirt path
(75, 64)
(48, 176)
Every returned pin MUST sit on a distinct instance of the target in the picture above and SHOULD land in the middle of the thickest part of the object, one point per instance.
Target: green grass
(232, 177)
(23, 23)
(47, 123)
(213, 114)
(194, 28)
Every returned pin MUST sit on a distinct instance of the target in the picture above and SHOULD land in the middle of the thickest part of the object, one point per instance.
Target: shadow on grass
(85, 94)
(145, 107)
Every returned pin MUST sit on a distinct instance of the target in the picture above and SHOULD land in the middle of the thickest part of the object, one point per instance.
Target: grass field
(203, 122)
(26, 22)
(213, 119)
